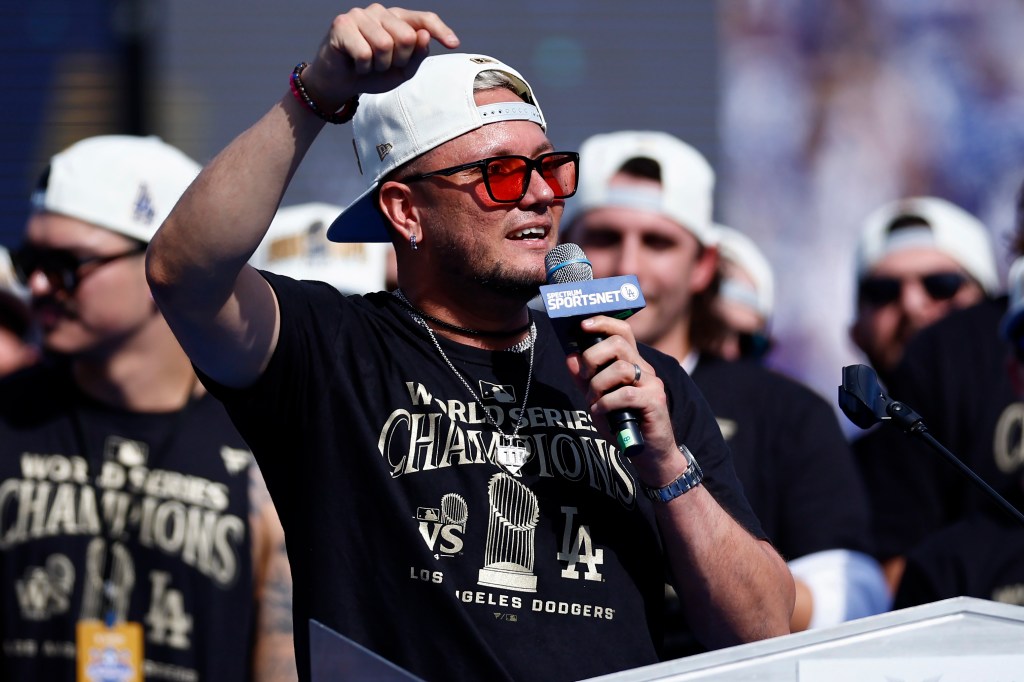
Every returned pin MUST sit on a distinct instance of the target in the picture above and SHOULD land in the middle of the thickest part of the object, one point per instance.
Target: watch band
(686, 481)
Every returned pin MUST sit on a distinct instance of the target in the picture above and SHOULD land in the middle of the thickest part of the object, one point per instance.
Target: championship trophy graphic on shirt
(512, 522)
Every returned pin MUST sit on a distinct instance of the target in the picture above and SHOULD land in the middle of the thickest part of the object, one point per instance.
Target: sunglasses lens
(559, 171)
(879, 290)
(57, 266)
(505, 178)
(943, 286)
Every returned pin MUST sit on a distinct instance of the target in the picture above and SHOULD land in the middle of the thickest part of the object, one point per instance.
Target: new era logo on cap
(384, 149)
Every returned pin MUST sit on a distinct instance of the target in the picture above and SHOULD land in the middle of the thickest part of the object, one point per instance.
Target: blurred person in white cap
(435, 457)
(296, 245)
(135, 519)
(746, 296)
(926, 317)
(917, 259)
(982, 554)
(644, 207)
(17, 345)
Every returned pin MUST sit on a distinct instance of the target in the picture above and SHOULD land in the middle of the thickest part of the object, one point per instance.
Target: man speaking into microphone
(450, 492)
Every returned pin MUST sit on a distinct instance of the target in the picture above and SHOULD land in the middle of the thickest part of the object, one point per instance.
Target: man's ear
(395, 200)
(857, 334)
(704, 270)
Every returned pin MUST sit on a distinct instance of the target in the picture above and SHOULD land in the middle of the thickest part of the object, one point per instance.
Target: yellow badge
(109, 654)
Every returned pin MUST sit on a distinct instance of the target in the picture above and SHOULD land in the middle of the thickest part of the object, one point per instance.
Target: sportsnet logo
(616, 296)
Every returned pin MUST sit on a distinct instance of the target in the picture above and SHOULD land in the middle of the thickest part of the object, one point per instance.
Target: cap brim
(360, 221)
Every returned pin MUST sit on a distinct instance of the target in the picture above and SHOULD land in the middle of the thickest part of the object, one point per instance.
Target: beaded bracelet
(342, 115)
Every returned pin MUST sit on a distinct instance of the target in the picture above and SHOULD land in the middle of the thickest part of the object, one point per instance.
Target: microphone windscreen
(567, 263)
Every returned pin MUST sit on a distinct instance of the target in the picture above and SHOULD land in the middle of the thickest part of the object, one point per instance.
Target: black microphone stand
(862, 400)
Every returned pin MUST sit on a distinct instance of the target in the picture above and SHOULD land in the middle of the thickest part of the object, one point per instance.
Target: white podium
(955, 639)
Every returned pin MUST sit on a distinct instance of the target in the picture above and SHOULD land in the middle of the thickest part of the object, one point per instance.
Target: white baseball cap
(434, 106)
(946, 228)
(742, 251)
(296, 245)
(687, 180)
(123, 183)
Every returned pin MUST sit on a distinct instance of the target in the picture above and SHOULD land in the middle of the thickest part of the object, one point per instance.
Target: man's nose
(630, 257)
(918, 305)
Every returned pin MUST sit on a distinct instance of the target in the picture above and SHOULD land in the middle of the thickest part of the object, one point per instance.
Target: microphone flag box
(571, 302)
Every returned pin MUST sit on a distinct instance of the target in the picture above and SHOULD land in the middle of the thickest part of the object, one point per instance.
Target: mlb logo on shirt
(144, 211)
(428, 514)
(503, 393)
(126, 452)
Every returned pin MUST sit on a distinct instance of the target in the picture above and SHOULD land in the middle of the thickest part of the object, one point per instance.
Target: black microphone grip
(567, 264)
(624, 424)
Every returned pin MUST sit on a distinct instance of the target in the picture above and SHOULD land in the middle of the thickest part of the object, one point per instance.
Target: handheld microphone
(572, 295)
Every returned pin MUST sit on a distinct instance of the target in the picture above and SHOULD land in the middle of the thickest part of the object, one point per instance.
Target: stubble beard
(492, 275)
(514, 285)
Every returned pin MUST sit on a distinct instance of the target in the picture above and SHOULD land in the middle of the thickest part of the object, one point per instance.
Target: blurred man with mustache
(135, 519)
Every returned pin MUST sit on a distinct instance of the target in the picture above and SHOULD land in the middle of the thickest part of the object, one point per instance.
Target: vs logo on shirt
(442, 527)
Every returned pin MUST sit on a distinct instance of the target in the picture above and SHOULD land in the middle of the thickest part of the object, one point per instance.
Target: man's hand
(372, 50)
(605, 373)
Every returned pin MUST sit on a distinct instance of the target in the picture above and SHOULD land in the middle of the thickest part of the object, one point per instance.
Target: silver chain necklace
(511, 454)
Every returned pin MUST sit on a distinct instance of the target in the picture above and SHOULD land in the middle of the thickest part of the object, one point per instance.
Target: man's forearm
(274, 650)
(274, 655)
(733, 587)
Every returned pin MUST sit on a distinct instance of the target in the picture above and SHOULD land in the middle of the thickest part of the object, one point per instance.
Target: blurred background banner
(813, 113)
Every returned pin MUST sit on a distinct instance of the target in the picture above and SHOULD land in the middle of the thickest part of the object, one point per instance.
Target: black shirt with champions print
(406, 536)
(158, 504)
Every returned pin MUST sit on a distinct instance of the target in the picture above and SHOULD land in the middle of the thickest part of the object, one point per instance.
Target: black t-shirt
(795, 463)
(980, 556)
(404, 535)
(954, 374)
(171, 489)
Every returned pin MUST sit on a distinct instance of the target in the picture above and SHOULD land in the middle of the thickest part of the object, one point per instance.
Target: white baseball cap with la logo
(124, 183)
